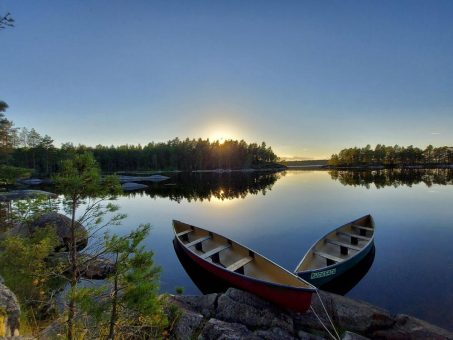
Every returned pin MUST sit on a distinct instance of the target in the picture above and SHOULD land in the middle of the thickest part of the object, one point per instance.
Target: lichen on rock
(9, 312)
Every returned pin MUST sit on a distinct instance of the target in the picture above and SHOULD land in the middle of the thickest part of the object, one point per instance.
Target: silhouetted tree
(6, 21)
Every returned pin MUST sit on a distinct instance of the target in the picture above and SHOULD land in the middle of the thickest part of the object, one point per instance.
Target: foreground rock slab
(240, 315)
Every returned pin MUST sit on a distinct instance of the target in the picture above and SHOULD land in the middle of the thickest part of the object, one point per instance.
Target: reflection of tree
(204, 186)
(394, 177)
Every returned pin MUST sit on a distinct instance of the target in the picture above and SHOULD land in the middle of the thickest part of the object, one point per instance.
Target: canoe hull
(323, 276)
(297, 299)
(344, 240)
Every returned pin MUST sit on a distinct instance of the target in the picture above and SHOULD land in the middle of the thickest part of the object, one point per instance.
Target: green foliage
(392, 156)
(128, 305)
(80, 178)
(27, 210)
(24, 267)
(179, 290)
(7, 133)
(10, 174)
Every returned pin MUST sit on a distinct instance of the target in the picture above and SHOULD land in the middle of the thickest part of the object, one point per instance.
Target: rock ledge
(240, 315)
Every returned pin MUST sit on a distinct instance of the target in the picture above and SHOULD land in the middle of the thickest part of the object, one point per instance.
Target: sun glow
(221, 136)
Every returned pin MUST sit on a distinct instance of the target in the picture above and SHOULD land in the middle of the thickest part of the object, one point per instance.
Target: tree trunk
(114, 302)
(73, 280)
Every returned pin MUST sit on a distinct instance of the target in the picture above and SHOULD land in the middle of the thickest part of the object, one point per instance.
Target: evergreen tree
(79, 180)
(128, 306)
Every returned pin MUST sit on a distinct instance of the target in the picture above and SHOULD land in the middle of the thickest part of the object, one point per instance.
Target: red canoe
(243, 268)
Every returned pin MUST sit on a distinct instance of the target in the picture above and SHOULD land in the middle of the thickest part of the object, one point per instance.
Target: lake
(281, 215)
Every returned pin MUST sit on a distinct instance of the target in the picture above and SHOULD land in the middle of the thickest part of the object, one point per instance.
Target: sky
(307, 77)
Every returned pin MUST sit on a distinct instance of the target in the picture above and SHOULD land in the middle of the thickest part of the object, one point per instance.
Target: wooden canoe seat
(185, 232)
(354, 237)
(362, 230)
(361, 227)
(331, 259)
(215, 251)
(238, 264)
(342, 244)
(197, 241)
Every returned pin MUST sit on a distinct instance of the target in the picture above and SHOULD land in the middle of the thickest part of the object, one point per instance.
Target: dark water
(282, 215)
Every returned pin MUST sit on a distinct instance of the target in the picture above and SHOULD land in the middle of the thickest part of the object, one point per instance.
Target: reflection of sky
(413, 235)
(308, 77)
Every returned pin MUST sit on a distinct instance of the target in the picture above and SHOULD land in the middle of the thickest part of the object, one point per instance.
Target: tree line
(28, 149)
(392, 156)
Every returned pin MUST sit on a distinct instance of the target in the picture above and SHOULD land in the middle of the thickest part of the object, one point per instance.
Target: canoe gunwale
(311, 288)
(359, 253)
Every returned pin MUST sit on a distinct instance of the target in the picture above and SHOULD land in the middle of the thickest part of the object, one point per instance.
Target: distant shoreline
(370, 167)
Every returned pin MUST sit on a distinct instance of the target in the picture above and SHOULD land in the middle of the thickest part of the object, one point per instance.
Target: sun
(220, 136)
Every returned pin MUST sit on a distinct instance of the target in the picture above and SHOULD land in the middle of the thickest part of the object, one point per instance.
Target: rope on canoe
(328, 316)
(322, 323)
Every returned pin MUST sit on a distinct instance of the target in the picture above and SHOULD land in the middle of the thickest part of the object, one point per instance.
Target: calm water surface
(282, 215)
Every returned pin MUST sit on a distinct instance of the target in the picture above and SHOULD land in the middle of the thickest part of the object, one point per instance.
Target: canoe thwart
(343, 245)
(239, 264)
(354, 237)
(361, 227)
(197, 241)
(362, 230)
(215, 251)
(331, 259)
(185, 232)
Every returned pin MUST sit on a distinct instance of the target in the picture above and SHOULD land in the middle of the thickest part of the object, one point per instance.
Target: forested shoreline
(392, 156)
(24, 148)
(176, 154)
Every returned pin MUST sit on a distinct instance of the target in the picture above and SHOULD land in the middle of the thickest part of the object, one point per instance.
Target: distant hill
(308, 163)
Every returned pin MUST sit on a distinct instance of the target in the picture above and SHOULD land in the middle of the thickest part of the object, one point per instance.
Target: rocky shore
(239, 315)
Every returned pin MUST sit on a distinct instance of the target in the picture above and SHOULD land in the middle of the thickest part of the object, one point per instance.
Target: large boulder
(9, 312)
(353, 315)
(245, 308)
(220, 330)
(204, 304)
(62, 227)
(187, 325)
(96, 268)
(91, 267)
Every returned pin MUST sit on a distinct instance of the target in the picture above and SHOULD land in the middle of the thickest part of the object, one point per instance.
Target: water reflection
(207, 186)
(345, 282)
(208, 283)
(393, 177)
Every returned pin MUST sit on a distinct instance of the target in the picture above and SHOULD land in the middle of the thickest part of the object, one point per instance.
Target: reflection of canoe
(344, 282)
(337, 252)
(243, 268)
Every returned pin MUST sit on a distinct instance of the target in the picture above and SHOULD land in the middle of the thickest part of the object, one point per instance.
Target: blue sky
(307, 77)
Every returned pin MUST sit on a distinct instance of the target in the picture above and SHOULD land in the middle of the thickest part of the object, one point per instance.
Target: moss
(2, 322)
